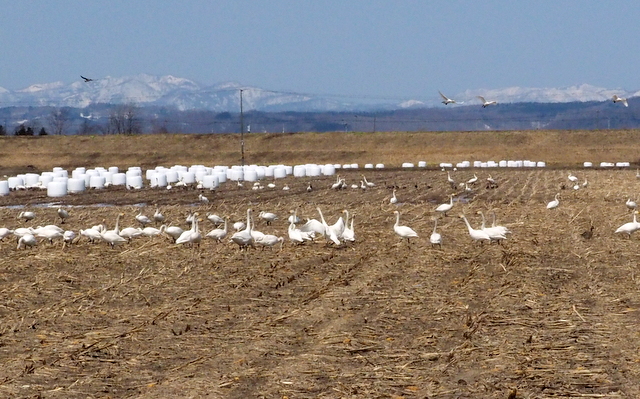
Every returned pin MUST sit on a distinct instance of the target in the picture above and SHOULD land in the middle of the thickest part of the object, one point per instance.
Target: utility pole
(241, 130)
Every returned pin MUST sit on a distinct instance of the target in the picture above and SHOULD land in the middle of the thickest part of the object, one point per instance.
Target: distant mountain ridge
(185, 94)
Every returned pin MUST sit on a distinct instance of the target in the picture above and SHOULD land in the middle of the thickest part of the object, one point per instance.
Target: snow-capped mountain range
(185, 94)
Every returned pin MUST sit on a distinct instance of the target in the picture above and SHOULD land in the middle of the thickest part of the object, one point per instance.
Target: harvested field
(547, 314)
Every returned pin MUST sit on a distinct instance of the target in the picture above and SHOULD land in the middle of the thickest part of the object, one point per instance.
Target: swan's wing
(626, 104)
(482, 99)
(443, 96)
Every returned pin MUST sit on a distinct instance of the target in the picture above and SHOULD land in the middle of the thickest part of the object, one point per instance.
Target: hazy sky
(343, 47)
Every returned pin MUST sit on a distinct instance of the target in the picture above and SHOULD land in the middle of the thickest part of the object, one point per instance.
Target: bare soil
(547, 314)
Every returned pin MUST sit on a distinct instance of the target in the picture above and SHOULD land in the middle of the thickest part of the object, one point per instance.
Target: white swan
(444, 208)
(572, 178)
(451, 181)
(28, 240)
(348, 234)
(192, 236)
(91, 234)
(218, 234)
(244, 238)
(495, 234)
(112, 238)
(68, 236)
(130, 233)
(403, 231)
(446, 100)
(631, 204)
(237, 226)
(152, 231)
(285, 187)
(368, 183)
(49, 234)
(4, 232)
(486, 103)
(393, 199)
(268, 217)
(63, 214)
(554, 204)
(476, 235)
(435, 238)
(331, 232)
(269, 240)
(215, 219)
(622, 100)
(158, 217)
(629, 228)
(26, 215)
(203, 199)
(174, 232)
(142, 219)
(473, 179)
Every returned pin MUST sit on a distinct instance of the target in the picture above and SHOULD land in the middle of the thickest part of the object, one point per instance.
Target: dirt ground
(549, 313)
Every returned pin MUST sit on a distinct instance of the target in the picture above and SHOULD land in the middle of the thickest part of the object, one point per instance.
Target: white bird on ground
(393, 199)
(243, 238)
(629, 228)
(189, 219)
(116, 229)
(333, 232)
(476, 235)
(68, 236)
(486, 103)
(586, 183)
(554, 204)
(495, 234)
(152, 231)
(631, 204)
(269, 240)
(215, 219)
(403, 231)
(271, 185)
(296, 236)
(174, 232)
(112, 238)
(237, 226)
(622, 100)
(218, 234)
(28, 240)
(348, 234)
(63, 214)
(435, 238)
(293, 218)
(4, 232)
(268, 217)
(203, 199)
(338, 184)
(191, 236)
(285, 187)
(142, 219)
(313, 227)
(49, 234)
(444, 208)
(446, 100)
(573, 178)
(309, 188)
(473, 179)
(21, 231)
(158, 217)
(451, 181)
(91, 234)
(130, 233)
(26, 215)
(368, 183)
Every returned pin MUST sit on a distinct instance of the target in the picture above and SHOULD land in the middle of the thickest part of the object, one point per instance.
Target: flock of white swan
(245, 235)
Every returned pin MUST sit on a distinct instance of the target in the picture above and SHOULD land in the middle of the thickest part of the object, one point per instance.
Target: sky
(372, 48)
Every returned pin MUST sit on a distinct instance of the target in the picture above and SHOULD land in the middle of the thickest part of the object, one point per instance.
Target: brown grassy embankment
(559, 148)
